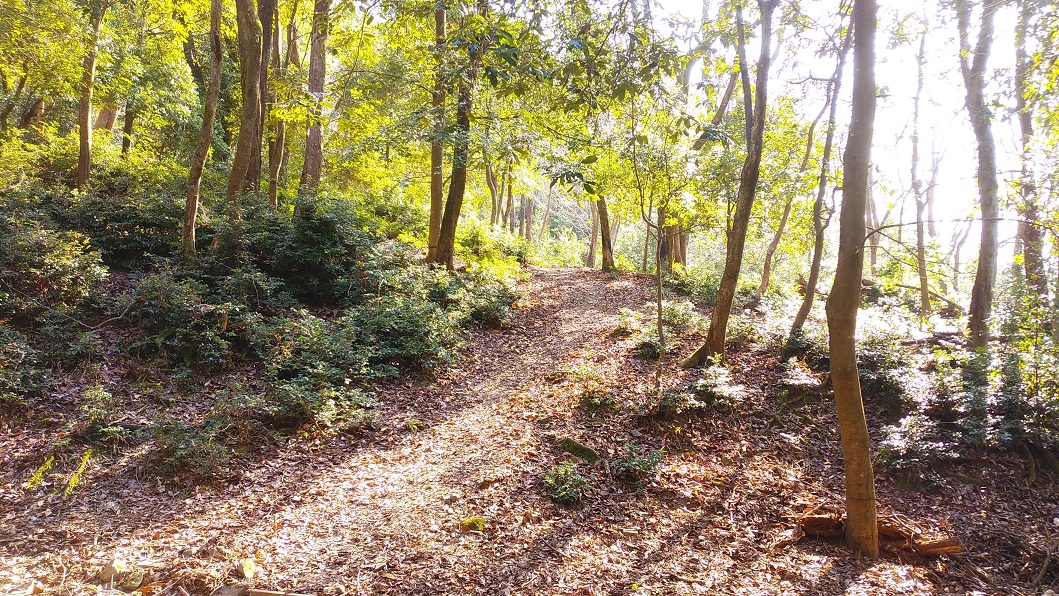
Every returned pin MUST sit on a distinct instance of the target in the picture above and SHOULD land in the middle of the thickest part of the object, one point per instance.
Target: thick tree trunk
(108, 115)
(461, 149)
(593, 237)
(84, 107)
(249, 37)
(978, 110)
(17, 95)
(748, 179)
(191, 205)
(266, 10)
(437, 144)
(33, 116)
(834, 86)
(314, 139)
(917, 190)
(862, 533)
(606, 241)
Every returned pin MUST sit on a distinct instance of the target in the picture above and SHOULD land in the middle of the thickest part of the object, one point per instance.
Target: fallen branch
(890, 526)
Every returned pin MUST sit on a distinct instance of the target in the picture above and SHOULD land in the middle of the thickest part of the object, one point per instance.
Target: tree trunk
(266, 10)
(460, 148)
(770, 253)
(127, 128)
(437, 143)
(819, 222)
(748, 179)
(491, 184)
(33, 116)
(646, 240)
(97, 10)
(509, 214)
(862, 533)
(107, 116)
(606, 241)
(1029, 231)
(191, 205)
(249, 36)
(871, 215)
(978, 110)
(593, 237)
(917, 190)
(547, 213)
(522, 216)
(958, 241)
(314, 140)
(529, 217)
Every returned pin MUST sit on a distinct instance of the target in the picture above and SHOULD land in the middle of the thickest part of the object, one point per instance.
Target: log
(942, 546)
(901, 533)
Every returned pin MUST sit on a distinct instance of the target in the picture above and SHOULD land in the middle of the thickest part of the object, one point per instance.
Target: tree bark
(606, 241)
(748, 179)
(14, 97)
(593, 237)
(1029, 230)
(862, 533)
(191, 205)
(529, 217)
(266, 10)
(437, 144)
(249, 37)
(917, 190)
(33, 115)
(461, 148)
(547, 213)
(974, 80)
(127, 128)
(97, 10)
(314, 140)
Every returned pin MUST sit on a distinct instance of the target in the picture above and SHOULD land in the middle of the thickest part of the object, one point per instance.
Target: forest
(578, 297)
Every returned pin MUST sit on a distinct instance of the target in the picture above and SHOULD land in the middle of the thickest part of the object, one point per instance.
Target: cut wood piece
(822, 525)
(943, 546)
(255, 592)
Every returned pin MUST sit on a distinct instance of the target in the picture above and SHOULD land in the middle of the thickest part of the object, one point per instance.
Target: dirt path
(380, 513)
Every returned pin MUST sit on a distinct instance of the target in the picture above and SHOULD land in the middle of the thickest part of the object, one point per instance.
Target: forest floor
(380, 512)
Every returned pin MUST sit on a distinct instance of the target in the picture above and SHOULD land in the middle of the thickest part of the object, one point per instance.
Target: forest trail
(380, 512)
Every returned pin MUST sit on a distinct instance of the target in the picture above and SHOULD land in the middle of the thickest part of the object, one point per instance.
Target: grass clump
(639, 466)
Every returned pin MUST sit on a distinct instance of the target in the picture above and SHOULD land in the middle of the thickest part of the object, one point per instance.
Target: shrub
(913, 449)
(294, 405)
(565, 486)
(130, 230)
(196, 450)
(22, 375)
(639, 465)
(43, 269)
(177, 324)
(598, 399)
(882, 364)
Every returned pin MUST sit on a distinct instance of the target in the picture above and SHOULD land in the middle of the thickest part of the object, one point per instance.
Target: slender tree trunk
(862, 533)
(547, 213)
(917, 190)
(277, 144)
(834, 86)
(593, 237)
(509, 213)
(606, 241)
(97, 10)
(959, 239)
(529, 217)
(107, 116)
(127, 128)
(646, 240)
(522, 216)
(437, 143)
(715, 338)
(1029, 230)
(461, 148)
(770, 253)
(871, 215)
(191, 205)
(249, 136)
(490, 182)
(314, 139)
(935, 166)
(974, 79)
(33, 116)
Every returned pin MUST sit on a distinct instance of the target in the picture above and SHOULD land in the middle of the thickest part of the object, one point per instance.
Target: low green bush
(22, 371)
(565, 486)
(639, 466)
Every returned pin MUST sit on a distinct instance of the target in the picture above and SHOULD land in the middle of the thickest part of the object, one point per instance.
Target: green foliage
(44, 270)
(914, 449)
(639, 466)
(22, 375)
(176, 323)
(882, 363)
(598, 399)
(196, 450)
(565, 486)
